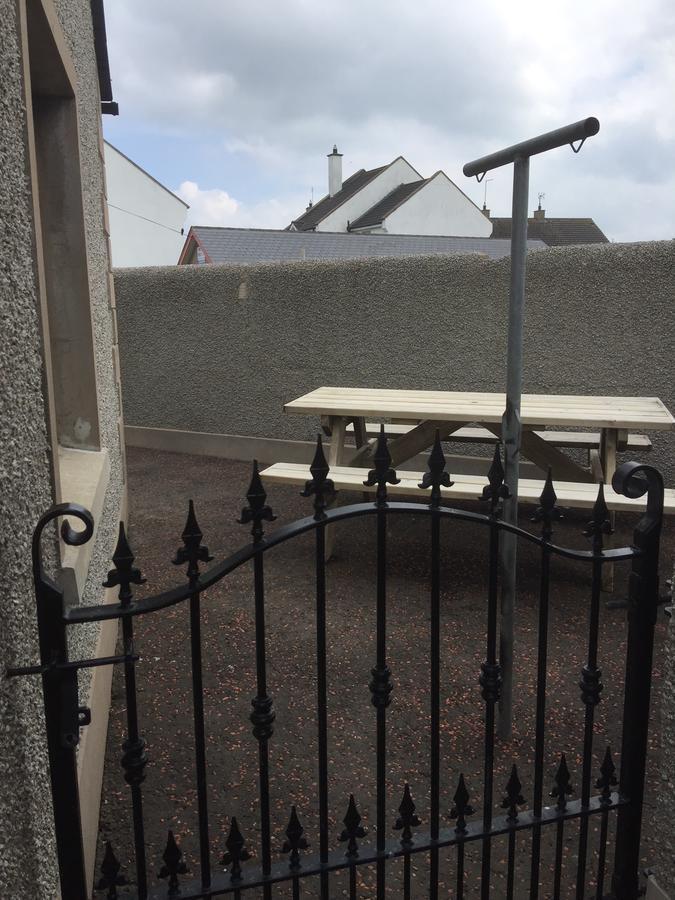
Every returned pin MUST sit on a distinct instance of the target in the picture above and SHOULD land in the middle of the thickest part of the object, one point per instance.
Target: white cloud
(213, 206)
(210, 207)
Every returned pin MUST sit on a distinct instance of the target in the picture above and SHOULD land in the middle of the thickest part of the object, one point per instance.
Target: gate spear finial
(513, 798)
(407, 819)
(320, 484)
(461, 809)
(193, 552)
(353, 828)
(124, 574)
(295, 840)
(382, 474)
(436, 477)
(562, 784)
(257, 510)
(236, 851)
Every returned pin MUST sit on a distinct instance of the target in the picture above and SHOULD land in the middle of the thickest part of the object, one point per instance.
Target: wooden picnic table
(425, 412)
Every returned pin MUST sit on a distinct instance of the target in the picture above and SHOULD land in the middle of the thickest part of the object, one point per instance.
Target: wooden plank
(420, 438)
(536, 409)
(467, 487)
(326, 425)
(363, 453)
(544, 455)
(333, 395)
(608, 445)
(596, 465)
(409, 409)
(475, 396)
(581, 440)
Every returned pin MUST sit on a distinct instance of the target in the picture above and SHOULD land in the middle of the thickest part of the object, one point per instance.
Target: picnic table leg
(608, 447)
(360, 436)
(361, 441)
(336, 452)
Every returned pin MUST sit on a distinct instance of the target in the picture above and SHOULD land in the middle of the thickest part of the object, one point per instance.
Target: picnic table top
(645, 413)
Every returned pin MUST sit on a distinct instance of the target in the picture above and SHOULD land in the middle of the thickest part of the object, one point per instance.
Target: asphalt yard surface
(160, 485)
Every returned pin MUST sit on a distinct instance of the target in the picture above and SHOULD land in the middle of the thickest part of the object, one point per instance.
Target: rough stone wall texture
(27, 863)
(599, 320)
(27, 866)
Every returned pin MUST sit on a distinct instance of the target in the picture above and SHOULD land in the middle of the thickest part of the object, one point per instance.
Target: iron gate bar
(495, 492)
(512, 801)
(262, 717)
(77, 615)
(368, 854)
(590, 683)
(134, 758)
(380, 686)
(435, 478)
(561, 790)
(62, 709)
(546, 514)
(193, 552)
(59, 687)
(606, 782)
(406, 821)
(643, 602)
(323, 490)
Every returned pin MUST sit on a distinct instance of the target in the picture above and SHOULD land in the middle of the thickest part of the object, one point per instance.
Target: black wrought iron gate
(234, 874)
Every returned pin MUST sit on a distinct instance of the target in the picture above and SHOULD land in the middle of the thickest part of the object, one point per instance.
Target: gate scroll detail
(601, 794)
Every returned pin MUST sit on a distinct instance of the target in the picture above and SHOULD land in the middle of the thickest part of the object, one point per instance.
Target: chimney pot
(334, 172)
(539, 215)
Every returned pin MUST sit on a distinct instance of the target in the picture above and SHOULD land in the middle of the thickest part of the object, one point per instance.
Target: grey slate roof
(311, 218)
(376, 214)
(254, 245)
(554, 232)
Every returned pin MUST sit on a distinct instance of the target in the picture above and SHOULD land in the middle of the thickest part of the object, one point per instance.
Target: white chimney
(334, 172)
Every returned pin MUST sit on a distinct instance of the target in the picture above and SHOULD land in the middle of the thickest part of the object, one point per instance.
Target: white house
(146, 218)
(393, 199)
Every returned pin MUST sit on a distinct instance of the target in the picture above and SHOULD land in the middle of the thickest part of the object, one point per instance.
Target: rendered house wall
(399, 172)
(438, 208)
(145, 218)
(27, 863)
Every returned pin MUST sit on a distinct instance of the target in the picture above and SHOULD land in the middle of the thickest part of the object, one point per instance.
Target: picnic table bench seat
(477, 435)
(465, 487)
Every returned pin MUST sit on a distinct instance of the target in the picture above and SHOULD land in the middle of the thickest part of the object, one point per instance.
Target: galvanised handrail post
(519, 155)
(62, 714)
(633, 480)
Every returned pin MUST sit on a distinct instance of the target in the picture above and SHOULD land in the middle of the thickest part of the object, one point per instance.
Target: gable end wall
(438, 208)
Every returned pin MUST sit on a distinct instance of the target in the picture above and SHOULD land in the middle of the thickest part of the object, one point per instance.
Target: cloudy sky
(234, 104)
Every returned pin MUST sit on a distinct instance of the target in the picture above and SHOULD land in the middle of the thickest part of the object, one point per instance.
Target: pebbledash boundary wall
(212, 353)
